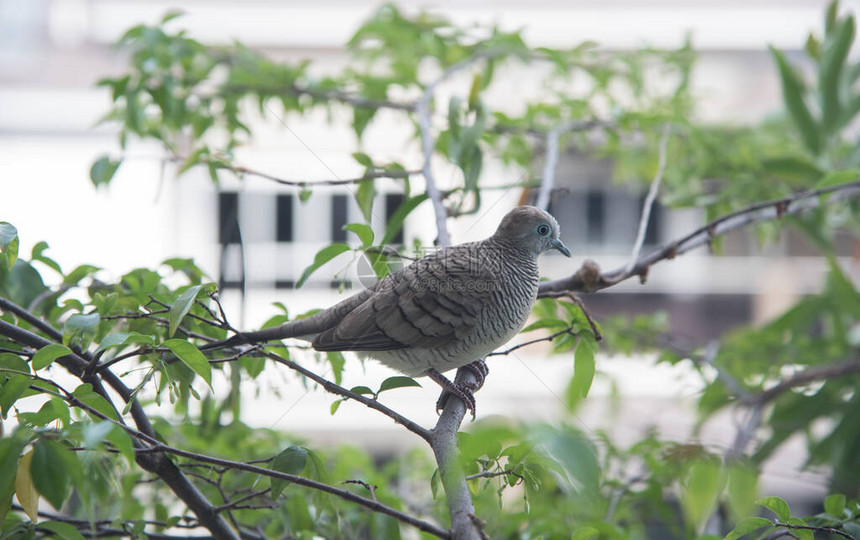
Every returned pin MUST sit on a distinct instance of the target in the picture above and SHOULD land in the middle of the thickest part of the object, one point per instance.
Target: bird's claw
(464, 392)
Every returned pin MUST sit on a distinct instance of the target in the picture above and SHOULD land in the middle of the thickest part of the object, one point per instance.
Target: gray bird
(444, 311)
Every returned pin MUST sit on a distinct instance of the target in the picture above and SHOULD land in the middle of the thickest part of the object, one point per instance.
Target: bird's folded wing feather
(429, 304)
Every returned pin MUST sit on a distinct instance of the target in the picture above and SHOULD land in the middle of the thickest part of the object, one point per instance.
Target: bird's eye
(543, 230)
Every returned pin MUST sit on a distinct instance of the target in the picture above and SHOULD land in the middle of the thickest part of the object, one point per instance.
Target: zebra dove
(444, 311)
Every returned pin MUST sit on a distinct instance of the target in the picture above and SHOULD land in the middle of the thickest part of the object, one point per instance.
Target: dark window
(392, 203)
(594, 211)
(284, 284)
(338, 217)
(228, 218)
(284, 216)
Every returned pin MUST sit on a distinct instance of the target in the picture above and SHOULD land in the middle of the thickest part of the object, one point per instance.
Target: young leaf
(181, 307)
(835, 505)
(291, 460)
(120, 339)
(748, 525)
(191, 356)
(11, 391)
(792, 93)
(85, 394)
(397, 382)
(583, 371)
(364, 232)
(830, 71)
(25, 490)
(364, 197)
(363, 159)
(9, 243)
(80, 329)
(362, 390)
(395, 222)
(777, 506)
(45, 356)
(323, 256)
(103, 170)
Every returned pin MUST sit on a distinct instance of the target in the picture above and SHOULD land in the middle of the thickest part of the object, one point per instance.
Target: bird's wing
(428, 304)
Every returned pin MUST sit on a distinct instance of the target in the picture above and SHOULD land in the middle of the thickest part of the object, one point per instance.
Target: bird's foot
(480, 370)
(464, 392)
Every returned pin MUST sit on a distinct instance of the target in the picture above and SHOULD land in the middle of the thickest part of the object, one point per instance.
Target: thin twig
(591, 279)
(369, 487)
(549, 167)
(650, 198)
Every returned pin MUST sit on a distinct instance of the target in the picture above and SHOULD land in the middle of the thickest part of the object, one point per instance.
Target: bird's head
(531, 228)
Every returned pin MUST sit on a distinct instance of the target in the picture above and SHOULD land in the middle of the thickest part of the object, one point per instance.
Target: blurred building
(52, 52)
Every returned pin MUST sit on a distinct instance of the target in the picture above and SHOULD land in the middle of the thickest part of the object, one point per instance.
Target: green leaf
(323, 256)
(395, 222)
(96, 433)
(121, 440)
(11, 391)
(583, 371)
(832, 63)
(66, 531)
(9, 243)
(181, 307)
(792, 93)
(397, 382)
(364, 232)
(363, 159)
(801, 534)
(746, 526)
(362, 390)
(85, 394)
(743, 489)
(45, 356)
(191, 356)
(80, 329)
(119, 339)
(52, 468)
(305, 195)
(10, 451)
(584, 533)
(835, 505)
(777, 506)
(103, 170)
(435, 482)
(25, 491)
(24, 283)
(291, 460)
(364, 197)
(701, 489)
(37, 254)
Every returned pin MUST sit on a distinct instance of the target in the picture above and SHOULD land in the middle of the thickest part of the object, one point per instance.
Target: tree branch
(549, 168)
(76, 364)
(650, 198)
(589, 278)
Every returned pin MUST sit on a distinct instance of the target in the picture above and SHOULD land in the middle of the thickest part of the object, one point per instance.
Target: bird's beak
(559, 245)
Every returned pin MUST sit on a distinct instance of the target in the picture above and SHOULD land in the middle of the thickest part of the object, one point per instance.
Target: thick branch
(590, 279)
